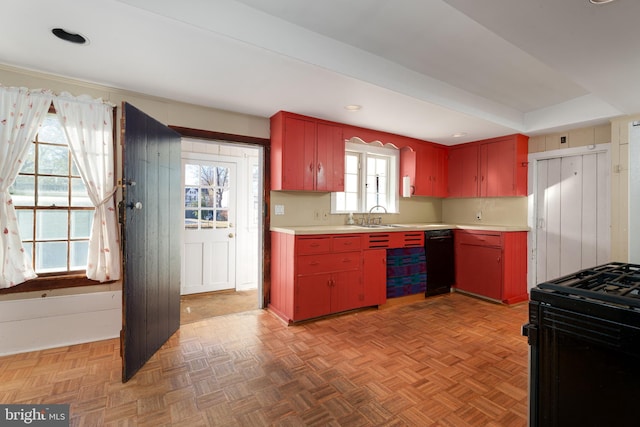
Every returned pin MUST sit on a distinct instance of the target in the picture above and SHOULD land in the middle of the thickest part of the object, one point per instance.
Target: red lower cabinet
(492, 264)
(374, 276)
(317, 275)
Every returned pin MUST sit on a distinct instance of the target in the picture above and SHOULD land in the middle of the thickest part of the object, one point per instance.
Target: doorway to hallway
(222, 227)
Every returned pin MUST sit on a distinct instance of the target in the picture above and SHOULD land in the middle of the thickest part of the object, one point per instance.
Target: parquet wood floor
(450, 360)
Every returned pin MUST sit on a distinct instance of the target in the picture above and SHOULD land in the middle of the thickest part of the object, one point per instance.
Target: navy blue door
(150, 216)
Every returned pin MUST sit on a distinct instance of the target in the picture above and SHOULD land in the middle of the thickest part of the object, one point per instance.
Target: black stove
(584, 333)
(614, 283)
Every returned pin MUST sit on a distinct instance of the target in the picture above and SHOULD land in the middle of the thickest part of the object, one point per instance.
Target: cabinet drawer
(482, 239)
(312, 264)
(346, 243)
(313, 245)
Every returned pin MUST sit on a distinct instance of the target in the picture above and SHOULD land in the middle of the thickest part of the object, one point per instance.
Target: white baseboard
(42, 323)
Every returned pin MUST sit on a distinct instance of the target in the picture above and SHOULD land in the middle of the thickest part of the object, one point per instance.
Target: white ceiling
(421, 68)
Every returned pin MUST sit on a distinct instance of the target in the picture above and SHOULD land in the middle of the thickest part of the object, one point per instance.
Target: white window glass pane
(351, 202)
(371, 165)
(206, 197)
(53, 191)
(51, 257)
(222, 218)
(351, 164)
(222, 198)
(191, 218)
(25, 223)
(206, 219)
(51, 225)
(191, 174)
(340, 201)
(53, 160)
(78, 252)
(74, 169)
(207, 176)
(51, 130)
(351, 183)
(382, 187)
(381, 165)
(29, 164)
(79, 195)
(223, 176)
(190, 197)
(81, 224)
(23, 191)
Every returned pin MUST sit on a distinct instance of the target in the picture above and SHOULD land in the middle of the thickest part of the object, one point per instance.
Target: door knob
(137, 205)
(230, 235)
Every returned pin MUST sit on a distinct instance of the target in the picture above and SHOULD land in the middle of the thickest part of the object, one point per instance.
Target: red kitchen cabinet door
(503, 170)
(293, 145)
(313, 296)
(330, 158)
(479, 270)
(346, 290)
(430, 171)
(408, 168)
(463, 171)
(440, 168)
(374, 276)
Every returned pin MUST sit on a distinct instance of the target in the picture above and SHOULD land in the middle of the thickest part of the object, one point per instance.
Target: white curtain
(21, 113)
(88, 125)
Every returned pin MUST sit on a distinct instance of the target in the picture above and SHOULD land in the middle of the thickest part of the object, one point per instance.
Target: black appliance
(438, 245)
(584, 334)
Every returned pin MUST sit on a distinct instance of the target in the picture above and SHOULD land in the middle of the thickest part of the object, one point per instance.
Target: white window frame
(364, 150)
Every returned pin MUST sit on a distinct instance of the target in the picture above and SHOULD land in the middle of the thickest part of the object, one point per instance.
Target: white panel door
(572, 214)
(209, 246)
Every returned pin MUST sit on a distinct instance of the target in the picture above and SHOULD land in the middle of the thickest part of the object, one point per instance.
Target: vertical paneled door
(151, 223)
(572, 214)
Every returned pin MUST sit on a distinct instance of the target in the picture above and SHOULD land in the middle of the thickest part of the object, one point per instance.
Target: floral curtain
(21, 113)
(88, 125)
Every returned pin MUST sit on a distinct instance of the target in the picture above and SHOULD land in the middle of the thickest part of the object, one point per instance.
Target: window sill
(49, 283)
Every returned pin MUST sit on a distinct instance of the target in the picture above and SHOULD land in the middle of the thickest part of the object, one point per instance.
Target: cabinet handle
(314, 245)
(345, 260)
(319, 167)
(314, 263)
(498, 259)
(310, 167)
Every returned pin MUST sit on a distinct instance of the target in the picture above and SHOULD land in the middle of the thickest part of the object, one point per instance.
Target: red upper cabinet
(503, 166)
(463, 171)
(426, 168)
(494, 167)
(306, 154)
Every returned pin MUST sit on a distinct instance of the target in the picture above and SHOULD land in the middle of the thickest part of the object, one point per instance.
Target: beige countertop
(343, 229)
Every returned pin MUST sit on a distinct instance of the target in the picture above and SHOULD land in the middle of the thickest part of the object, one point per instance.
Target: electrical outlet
(325, 215)
(479, 215)
(316, 215)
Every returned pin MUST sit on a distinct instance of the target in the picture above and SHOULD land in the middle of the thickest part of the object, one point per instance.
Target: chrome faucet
(371, 210)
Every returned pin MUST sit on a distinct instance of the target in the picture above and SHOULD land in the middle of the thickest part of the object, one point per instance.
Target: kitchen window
(54, 211)
(370, 179)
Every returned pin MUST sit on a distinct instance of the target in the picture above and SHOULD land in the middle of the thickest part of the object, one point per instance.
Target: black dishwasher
(438, 246)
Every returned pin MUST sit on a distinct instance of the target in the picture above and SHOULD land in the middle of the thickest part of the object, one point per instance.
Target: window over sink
(370, 178)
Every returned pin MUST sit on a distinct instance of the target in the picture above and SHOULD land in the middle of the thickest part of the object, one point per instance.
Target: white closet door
(572, 214)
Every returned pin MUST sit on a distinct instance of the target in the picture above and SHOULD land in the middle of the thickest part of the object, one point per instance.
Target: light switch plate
(279, 209)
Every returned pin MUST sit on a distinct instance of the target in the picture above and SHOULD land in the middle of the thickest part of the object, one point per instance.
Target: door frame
(532, 219)
(264, 159)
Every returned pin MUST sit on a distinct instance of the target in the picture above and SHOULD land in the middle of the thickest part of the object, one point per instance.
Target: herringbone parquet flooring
(446, 361)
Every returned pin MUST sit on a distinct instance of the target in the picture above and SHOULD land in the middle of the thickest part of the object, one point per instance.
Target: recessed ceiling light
(353, 107)
(459, 134)
(600, 1)
(67, 36)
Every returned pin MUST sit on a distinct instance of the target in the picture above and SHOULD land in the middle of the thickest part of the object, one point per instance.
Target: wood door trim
(266, 219)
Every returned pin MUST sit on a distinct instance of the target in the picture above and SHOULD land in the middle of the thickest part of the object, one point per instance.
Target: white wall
(36, 324)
